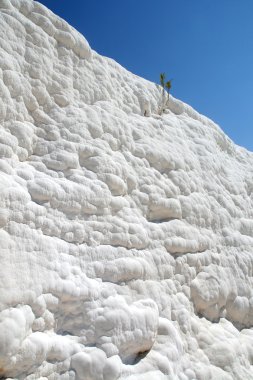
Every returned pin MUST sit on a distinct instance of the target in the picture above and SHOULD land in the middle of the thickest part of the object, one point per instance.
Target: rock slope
(126, 236)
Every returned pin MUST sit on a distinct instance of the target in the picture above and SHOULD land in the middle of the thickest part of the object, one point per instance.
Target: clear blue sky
(206, 46)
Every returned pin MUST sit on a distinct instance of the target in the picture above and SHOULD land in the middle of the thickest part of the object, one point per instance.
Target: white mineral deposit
(126, 240)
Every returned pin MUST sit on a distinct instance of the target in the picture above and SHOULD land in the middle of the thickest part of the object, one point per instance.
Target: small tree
(167, 86)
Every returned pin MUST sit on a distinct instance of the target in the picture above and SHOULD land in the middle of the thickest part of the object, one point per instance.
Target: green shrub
(165, 86)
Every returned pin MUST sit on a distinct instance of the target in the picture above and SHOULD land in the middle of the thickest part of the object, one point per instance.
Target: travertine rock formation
(126, 241)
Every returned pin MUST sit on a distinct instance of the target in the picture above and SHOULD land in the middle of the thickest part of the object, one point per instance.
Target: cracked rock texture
(126, 237)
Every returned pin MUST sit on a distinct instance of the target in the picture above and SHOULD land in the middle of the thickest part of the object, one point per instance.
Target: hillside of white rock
(126, 237)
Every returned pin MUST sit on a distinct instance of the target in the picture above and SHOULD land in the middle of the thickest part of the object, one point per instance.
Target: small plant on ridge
(167, 86)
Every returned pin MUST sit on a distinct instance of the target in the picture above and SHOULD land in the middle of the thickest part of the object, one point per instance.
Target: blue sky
(205, 46)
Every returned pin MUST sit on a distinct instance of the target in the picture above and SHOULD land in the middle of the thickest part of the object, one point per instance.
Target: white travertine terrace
(126, 239)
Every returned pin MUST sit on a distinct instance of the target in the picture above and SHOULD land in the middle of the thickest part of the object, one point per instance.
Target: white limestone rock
(125, 236)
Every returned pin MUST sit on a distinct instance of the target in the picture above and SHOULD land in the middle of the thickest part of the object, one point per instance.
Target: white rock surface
(126, 240)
